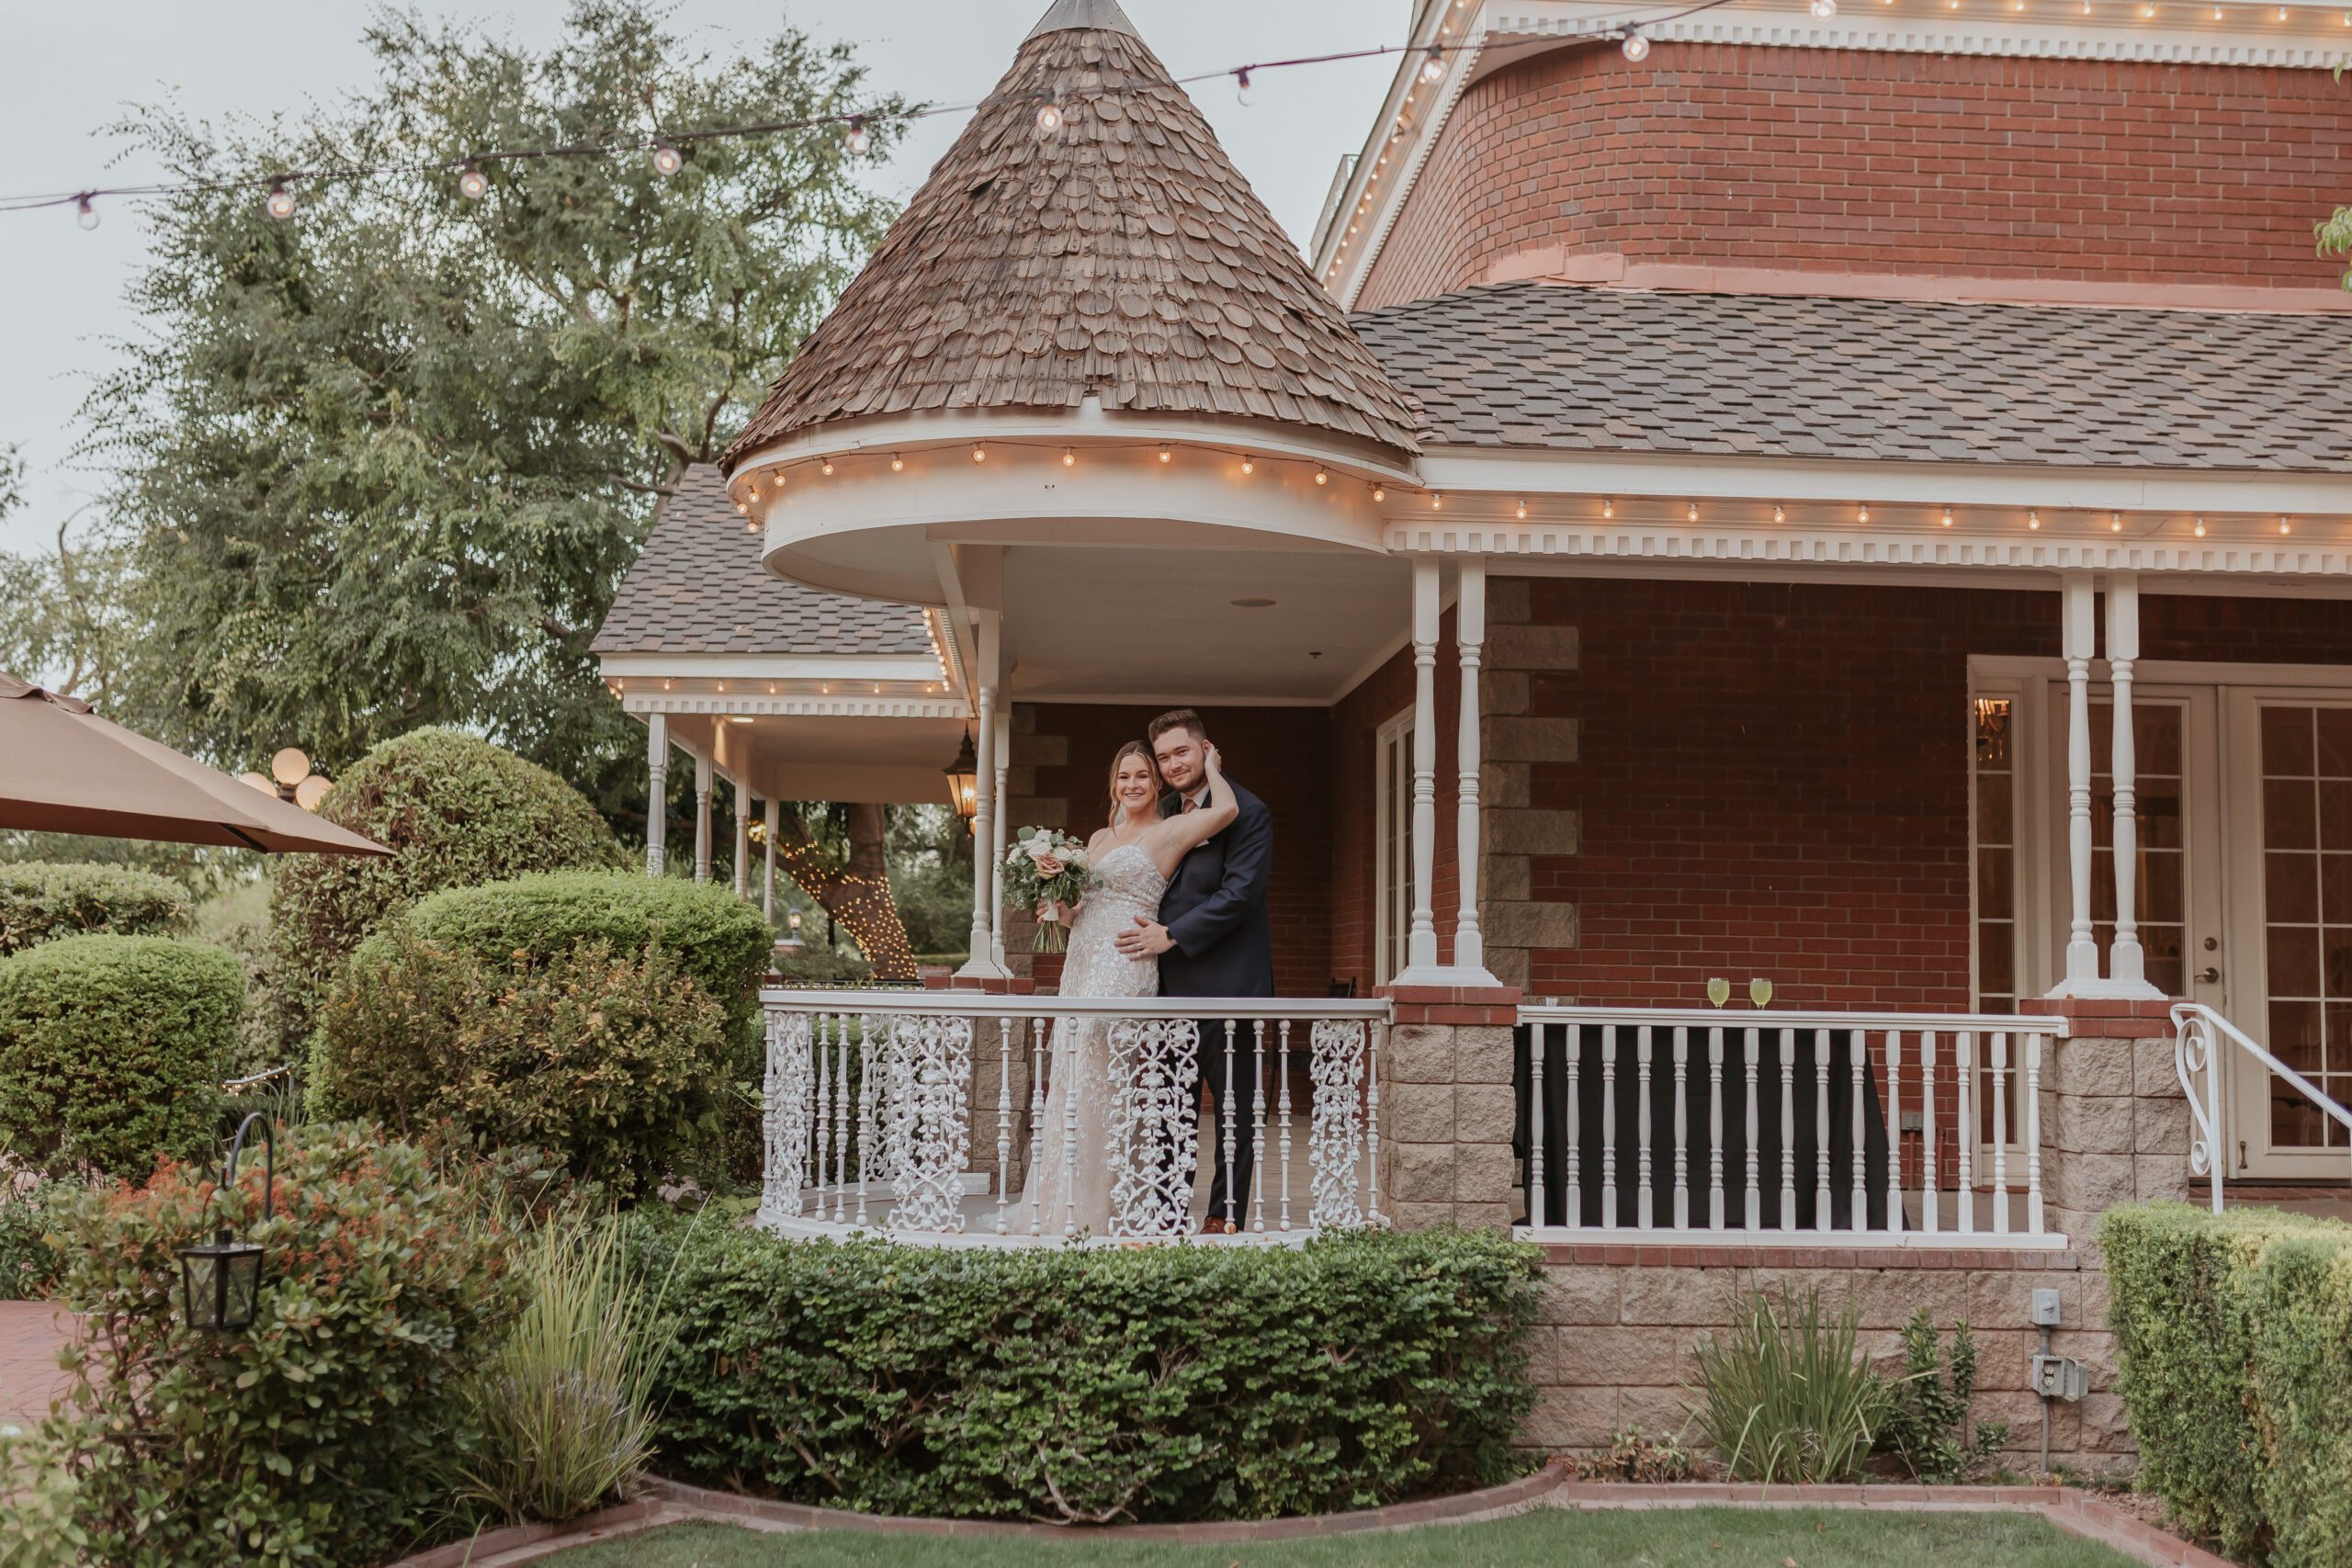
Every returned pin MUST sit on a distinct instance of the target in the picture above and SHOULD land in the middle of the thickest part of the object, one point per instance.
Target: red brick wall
(1281, 755)
(1772, 780)
(1851, 160)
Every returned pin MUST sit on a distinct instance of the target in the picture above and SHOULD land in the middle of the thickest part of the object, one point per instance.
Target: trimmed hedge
(324, 1434)
(40, 902)
(459, 811)
(111, 1049)
(1095, 1384)
(2234, 1333)
(615, 1061)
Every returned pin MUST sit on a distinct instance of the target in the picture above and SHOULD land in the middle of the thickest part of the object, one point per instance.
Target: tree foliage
(383, 463)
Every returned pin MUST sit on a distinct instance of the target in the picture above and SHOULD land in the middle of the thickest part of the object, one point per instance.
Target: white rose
(1038, 848)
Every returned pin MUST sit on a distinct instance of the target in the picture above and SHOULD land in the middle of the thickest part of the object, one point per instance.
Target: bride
(1132, 859)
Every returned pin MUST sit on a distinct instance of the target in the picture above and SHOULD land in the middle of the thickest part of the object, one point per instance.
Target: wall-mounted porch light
(964, 782)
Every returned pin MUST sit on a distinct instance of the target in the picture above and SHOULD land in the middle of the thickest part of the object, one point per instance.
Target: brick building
(1856, 507)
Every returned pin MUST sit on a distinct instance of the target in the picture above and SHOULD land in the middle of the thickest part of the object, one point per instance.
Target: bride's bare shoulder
(1101, 837)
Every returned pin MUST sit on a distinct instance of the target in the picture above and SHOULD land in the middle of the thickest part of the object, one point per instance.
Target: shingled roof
(1120, 255)
(698, 587)
(1575, 369)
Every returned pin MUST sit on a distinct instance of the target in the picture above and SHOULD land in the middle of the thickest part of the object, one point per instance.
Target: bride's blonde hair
(1133, 749)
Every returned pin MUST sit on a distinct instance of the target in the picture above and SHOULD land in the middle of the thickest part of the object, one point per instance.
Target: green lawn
(1719, 1538)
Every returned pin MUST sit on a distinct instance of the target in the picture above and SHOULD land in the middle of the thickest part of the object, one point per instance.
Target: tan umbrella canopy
(65, 770)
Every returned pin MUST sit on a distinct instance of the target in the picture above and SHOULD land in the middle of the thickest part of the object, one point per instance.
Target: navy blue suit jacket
(1214, 909)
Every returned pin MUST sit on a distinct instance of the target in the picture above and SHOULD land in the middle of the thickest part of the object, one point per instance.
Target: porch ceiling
(896, 760)
(1104, 625)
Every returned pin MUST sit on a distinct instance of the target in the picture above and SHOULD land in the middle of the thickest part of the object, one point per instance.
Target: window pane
(2291, 886)
(1995, 953)
(2335, 971)
(2289, 818)
(2294, 961)
(2334, 742)
(2335, 888)
(2285, 742)
(1993, 821)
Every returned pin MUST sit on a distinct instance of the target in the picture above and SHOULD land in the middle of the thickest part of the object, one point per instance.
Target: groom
(1213, 938)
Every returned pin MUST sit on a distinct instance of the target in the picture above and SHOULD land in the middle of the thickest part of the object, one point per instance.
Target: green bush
(1785, 1394)
(319, 1435)
(40, 902)
(29, 1264)
(614, 1060)
(1093, 1384)
(111, 1049)
(457, 811)
(1925, 1424)
(2234, 1337)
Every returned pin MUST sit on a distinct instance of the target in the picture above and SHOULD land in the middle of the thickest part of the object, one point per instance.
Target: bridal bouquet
(1024, 887)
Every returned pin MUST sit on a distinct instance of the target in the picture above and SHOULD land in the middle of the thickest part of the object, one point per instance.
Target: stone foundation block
(1484, 1174)
(1509, 739)
(1507, 603)
(1424, 1173)
(1484, 1113)
(2089, 1066)
(1531, 832)
(1508, 964)
(1522, 645)
(1579, 1295)
(1505, 786)
(1502, 692)
(1531, 925)
(1482, 1053)
(1505, 879)
(1419, 1053)
(1421, 1114)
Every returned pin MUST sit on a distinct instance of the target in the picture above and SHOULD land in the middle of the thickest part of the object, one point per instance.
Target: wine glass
(1719, 990)
(1759, 991)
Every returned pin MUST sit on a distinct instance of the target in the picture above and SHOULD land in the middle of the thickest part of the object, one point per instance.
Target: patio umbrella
(65, 770)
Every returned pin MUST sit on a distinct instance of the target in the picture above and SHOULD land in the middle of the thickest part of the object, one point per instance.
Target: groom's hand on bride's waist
(1144, 939)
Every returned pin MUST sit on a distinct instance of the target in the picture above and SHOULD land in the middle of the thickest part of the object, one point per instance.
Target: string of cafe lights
(766, 483)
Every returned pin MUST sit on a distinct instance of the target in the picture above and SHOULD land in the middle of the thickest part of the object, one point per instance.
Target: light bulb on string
(1947, 517)
(1437, 501)
(279, 203)
(1165, 455)
(1823, 9)
(84, 213)
(472, 183)
(1049, 118)
(826, 468)
(1523, 509)
(1380, 492)
(1241, 88)
(1862, 512)
(1069, 458)
(980, 453)
(1322, 475)
(2115, 522)
(2033, 521)
(1433, 68)
(1636, 47)
(898, 464)
(2200, 527)
(1248, 464)
(857, 142)
(1779, 513)
(667, 158)
(1608, 508)
(2285, 527)
(1691, 513)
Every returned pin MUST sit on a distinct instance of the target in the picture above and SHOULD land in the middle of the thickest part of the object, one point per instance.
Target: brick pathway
(30, 1333)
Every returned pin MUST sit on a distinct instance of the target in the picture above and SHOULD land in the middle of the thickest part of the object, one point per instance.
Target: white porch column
(702, 819)
(2126, 962)
(657, 801)
(982, 963)
(2077, 640)
(1002, 830)
(742, 837)
(1469, 636)
(1420, 941)
(767, 877)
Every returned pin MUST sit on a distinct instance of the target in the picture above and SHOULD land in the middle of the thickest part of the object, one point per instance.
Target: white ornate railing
(918, 1115)
(2197, 1034)
(1781, 1127)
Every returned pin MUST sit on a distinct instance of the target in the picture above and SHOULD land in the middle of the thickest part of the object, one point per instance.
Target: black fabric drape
(1801, 1135)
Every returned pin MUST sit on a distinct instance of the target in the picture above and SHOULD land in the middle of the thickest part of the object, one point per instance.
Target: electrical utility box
(2059, 1377)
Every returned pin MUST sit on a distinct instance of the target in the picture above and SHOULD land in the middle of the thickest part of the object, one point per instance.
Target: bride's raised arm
(1175, 835)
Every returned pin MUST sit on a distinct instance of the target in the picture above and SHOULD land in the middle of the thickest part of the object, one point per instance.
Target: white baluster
(2033, 1134)
(1283, 1071)
(1575, 1063)
(1232, 1188)
(840, 1133)
(1003, 1129)
(1257, 1124)
(1642, 1195)
(1748, 1044)
(1821, 1129)
(1787, 1130)
(824, 1108)
(1859, 1045)
(1609, 1128)
(1963, 1054)
(1371, 1120)
(1536, 1125)
(1930, 1175)
(1894, 1129)
(1714, 1129)
(1069, 1141)
(1681, 1126)
(2001, 1132)
(1038, 1031)
(866, 1108)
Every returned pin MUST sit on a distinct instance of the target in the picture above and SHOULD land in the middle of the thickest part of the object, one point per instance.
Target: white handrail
(2196, 1030)
(1785, 1017)
(993, 1004)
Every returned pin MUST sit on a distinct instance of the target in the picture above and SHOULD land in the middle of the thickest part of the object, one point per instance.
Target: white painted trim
(1391, 883)
(793, 704)
(807, 667)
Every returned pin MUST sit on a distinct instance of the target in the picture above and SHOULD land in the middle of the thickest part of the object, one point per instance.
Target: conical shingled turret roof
(1120, 255)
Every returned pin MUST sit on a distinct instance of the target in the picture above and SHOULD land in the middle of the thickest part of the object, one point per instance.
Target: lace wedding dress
(1073, 1196)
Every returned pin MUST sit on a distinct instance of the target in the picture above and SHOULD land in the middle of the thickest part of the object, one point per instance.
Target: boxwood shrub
(111, 1049)
(321, 1434)
(1095, 1384)
(457, 811)
(2234, 1334)
(40, 902)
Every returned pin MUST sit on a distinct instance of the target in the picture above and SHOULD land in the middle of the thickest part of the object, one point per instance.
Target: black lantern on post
(220, 1279)
(963, 783)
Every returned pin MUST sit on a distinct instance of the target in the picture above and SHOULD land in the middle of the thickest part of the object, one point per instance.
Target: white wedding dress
(1072, 1195)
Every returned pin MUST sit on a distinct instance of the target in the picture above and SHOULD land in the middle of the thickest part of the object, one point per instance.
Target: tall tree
(383, 462)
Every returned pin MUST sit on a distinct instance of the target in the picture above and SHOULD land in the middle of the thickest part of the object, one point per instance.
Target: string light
(2115, 522)
(279, 204)
(1636, 47)
(980, 453)
(2033, 521)
(1824, 9)
(1241, 87)
(1165, 455)
(1437, 501)
(1779, 513)
(1069, 458)
(857, 142)
(1380, 492)
(1049, 119)
(1693, 515)
(2284, 527)
(826, 468)
(1248, 464)
(84, 213)
(1523, 509)
(1322, 475)
(1862, 512)
(2200, 527)
(667, 158)
(1433, 68)
(1608, 508)
(1947, 517)
(472, 183)
(898, 464)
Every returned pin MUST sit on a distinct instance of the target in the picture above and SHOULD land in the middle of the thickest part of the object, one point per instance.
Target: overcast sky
(69, 69)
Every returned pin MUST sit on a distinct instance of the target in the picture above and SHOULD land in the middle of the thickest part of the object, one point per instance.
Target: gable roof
(698, 586)
(1579, 368)
(1119, 256)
